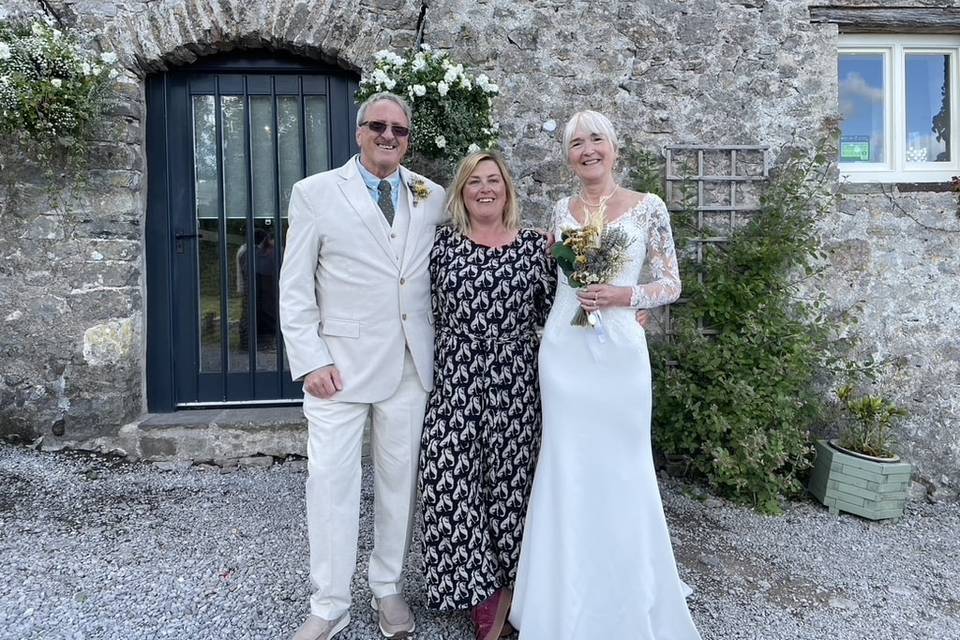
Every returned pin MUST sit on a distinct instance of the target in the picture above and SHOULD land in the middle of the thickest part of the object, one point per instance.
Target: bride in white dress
(596, 561)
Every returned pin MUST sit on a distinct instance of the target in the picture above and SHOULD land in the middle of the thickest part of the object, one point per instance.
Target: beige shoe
(396, 619)
(316, 628)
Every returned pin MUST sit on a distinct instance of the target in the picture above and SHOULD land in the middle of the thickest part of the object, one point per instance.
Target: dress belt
(449, 332)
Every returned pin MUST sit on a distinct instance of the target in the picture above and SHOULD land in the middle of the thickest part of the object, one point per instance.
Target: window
(899, 103)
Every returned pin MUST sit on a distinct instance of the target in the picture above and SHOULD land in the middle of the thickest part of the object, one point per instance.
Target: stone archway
(82, 381)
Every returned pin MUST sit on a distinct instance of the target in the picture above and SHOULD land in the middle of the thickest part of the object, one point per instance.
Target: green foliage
(452, 111)
(51, 88)
(739, 402)
(644, 169)
(869, 424)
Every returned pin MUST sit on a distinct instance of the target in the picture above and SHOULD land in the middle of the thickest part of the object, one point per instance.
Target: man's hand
(643, 317)
(323, 383)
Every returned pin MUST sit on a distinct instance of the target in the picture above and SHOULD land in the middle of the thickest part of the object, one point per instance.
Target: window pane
(290, 145)
(208, 266)
(862, 106)
(233, 122)
(238, 286)
(928, 107)
(316, 124)
(205, 156)
(264, 280)
(264, 157)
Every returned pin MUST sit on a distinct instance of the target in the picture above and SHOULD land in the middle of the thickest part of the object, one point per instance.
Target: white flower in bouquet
(57, 83)
(419, 90)
(442, 88)
(473, 148)
(5, 52)
(113, 74)
(85, 68)
(108, 57)
(440, 141)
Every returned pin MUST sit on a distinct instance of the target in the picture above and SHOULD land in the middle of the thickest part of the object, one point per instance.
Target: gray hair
(593, 123)
(380, 97)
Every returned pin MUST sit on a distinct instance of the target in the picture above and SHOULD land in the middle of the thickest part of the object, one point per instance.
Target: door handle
(180, 236)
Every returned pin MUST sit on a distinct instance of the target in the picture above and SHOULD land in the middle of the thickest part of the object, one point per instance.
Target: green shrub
(740, 402)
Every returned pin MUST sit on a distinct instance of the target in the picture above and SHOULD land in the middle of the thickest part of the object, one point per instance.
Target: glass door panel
(252, 137)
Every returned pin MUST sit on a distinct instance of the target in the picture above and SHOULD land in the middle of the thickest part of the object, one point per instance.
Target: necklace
(603, 199)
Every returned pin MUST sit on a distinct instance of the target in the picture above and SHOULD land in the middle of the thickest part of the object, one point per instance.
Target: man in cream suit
(356, 319)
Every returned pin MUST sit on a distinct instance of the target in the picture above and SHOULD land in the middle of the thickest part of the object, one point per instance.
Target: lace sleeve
(557, 215)
(662, 256)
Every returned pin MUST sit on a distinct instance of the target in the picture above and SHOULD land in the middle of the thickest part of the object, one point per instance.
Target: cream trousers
(333, 489)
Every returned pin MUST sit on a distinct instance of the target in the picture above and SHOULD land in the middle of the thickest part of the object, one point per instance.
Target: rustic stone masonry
(72, 316)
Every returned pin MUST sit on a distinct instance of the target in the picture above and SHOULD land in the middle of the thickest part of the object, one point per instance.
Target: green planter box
(874, 490)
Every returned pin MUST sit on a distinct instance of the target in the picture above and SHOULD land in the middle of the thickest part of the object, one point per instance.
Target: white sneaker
(395, 617)
(316, 628)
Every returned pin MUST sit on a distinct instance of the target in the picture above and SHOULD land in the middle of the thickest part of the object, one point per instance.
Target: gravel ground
(93, 547)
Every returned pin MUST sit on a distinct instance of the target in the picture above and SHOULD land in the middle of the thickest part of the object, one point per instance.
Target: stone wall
(895, 265)
(666, 71)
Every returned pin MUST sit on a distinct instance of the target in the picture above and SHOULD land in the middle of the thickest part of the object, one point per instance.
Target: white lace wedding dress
(596, 561)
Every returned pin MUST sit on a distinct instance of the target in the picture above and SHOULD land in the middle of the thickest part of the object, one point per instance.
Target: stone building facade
(73, 275)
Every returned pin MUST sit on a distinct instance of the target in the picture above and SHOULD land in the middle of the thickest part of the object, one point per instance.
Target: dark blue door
(227, 138)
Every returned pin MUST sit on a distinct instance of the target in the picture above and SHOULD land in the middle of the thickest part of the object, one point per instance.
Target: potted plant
(859, 473)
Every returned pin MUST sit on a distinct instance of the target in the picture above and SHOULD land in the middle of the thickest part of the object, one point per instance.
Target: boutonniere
(419, 189)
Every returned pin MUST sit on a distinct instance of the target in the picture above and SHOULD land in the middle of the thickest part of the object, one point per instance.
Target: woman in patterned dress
(492, 286)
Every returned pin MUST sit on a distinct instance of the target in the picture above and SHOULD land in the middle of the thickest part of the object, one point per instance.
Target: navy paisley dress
(481, 432)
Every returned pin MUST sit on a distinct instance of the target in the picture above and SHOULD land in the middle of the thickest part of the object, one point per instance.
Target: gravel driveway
(92, 547)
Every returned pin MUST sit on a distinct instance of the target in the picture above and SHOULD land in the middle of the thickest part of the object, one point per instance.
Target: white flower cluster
(50, 85)
(488, 87)
(391, 65)
(452, 109)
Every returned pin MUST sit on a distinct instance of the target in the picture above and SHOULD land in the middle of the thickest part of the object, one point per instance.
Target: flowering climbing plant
(51, 87)
(452, 109)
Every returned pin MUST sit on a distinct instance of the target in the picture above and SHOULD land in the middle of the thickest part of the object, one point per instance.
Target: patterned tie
(385, 201)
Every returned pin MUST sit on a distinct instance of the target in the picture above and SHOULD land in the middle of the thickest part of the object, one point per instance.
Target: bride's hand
(595, 297)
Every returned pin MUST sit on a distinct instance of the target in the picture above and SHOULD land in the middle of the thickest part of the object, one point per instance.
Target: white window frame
(894, 49)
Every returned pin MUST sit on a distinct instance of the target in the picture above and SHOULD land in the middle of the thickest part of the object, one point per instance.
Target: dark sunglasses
(379, 127)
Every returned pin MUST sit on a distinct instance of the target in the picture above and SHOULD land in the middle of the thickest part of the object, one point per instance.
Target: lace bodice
(648, 225)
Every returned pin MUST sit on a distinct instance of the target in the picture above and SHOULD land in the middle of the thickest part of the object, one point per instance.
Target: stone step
(214, 434)
(221, 436)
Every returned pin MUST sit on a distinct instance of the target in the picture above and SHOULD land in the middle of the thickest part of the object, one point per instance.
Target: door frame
(163, 156)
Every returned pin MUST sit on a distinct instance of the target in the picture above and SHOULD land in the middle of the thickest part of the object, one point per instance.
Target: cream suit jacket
(345, 297)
